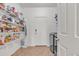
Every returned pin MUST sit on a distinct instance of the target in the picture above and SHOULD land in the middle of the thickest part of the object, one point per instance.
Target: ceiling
(24, 5)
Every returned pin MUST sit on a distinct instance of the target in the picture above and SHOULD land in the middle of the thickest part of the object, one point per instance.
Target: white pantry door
(61, 29)
(68, 29)
(38, 31)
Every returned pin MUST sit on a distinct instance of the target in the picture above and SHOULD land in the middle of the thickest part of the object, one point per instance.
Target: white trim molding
(75, 33)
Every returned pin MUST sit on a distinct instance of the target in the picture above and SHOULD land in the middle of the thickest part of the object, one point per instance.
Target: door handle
(57, 39)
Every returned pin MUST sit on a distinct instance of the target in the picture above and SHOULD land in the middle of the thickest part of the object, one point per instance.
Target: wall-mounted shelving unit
(11, 27)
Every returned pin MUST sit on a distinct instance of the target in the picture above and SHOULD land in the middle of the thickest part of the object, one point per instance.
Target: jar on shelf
(1, 39)
(2, 6)
(4, 17)
(7, 38)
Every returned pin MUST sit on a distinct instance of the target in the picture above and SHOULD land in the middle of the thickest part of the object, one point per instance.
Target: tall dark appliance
(53, 43)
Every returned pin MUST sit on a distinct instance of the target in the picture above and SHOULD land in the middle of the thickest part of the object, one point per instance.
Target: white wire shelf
(13, 41)
(4, 12)
(11, 32)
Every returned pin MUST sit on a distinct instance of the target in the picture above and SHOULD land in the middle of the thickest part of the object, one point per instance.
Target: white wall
(31, 13)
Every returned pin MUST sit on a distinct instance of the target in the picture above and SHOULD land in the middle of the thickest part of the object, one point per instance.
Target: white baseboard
(25, 46)
(40, 45)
